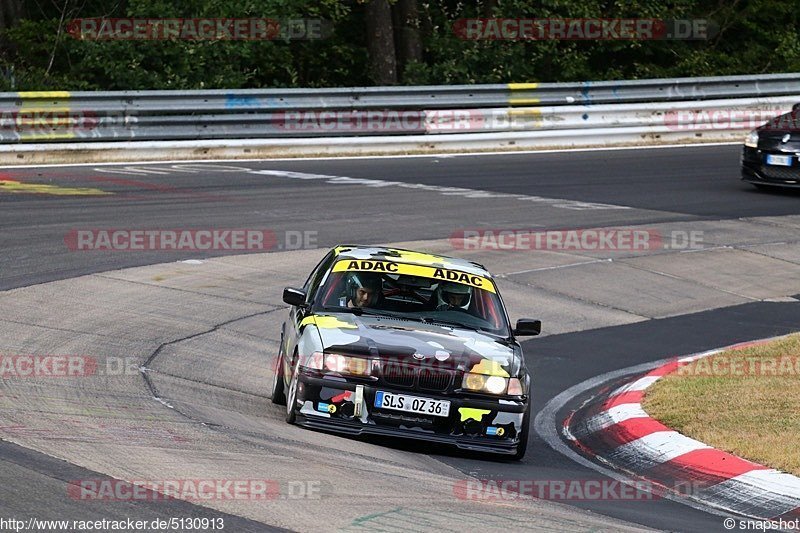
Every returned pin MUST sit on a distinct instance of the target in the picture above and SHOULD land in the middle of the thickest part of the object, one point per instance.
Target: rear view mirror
(527, 326)
(294, 296)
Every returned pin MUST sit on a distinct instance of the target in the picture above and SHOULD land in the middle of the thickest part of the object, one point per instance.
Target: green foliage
(756, 36)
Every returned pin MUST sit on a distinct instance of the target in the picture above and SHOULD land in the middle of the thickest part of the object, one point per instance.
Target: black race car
(771, 154)
(392, 342)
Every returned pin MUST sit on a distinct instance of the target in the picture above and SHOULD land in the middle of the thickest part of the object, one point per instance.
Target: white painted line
(608, 260)
(439, 189)
(409, 156)
(638, 385)
(719, 499)
(615, 415)
(695, 357)
(548, 429)
(741, 495)
(654, 449)
(773, 481)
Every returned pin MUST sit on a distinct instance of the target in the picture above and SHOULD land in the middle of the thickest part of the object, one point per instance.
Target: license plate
(412, 404)
(779, 160)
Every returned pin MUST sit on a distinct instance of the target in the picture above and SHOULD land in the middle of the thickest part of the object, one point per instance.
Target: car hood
(780, 125)
(412, 341)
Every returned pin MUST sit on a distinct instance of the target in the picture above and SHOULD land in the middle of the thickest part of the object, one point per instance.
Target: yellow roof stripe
(391, 267)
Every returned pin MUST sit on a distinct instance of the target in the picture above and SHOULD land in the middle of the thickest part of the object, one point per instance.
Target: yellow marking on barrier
(523, 101)
(526, 111)
(36, 119)
(46, 136)
(522, 86)
(35, 107)
(45, 94)
(13, 186)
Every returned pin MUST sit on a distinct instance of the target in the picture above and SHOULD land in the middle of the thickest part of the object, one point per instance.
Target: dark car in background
(771, 153)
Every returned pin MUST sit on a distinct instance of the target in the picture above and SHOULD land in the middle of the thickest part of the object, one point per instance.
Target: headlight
(484, 383)
(752, 139)
(356, 366)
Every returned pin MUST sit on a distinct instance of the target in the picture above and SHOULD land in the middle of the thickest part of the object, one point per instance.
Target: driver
(452, 295)
(363, 290)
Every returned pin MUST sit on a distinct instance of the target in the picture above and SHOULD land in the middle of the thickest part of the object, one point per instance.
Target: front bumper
(755, 170)
(478, 424)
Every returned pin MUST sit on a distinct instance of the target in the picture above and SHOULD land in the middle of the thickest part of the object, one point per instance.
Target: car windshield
(416, 297)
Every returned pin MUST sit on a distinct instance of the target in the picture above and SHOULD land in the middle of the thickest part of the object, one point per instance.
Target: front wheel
(522, 447)
(291, 396)
(278, 386)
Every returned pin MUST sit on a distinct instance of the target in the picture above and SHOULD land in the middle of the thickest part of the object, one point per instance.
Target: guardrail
(730, 103)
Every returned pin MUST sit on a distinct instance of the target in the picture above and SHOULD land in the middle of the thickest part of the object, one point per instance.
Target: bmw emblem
(786, 138)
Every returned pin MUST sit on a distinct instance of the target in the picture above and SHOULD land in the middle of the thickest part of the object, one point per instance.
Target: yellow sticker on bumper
(468, 413)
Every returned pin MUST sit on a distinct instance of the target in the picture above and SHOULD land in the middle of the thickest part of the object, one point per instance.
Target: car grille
(399, 375)
(779, 173)
(417, 377)
(434, 379)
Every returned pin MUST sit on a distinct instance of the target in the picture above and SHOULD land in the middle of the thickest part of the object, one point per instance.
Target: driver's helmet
(452, 295)
(364, 280)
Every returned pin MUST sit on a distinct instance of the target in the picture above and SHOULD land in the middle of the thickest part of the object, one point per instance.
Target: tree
(380, 43)
(408, 38)
(10, 13)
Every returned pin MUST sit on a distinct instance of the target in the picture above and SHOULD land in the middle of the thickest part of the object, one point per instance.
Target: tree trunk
(380, 43)
(10, 13)
(408, 33)
(488, 8)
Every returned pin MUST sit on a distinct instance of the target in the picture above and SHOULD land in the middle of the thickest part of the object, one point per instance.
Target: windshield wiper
(429, 320)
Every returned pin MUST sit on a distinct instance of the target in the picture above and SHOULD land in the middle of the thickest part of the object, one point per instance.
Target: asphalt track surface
(669, 185)
(660, 185)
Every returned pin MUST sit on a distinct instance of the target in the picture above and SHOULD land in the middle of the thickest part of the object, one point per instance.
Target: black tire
(522, 447)
(278, 386)
(291, 396)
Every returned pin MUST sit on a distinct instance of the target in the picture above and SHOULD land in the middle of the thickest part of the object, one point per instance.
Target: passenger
(363, 290)
(453, 296)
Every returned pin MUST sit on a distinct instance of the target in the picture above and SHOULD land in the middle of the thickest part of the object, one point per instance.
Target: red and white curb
(616, 430)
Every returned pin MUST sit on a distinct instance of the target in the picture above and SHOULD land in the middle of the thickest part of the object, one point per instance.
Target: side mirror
(795, 108)
(527, 326)
(294, 296)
